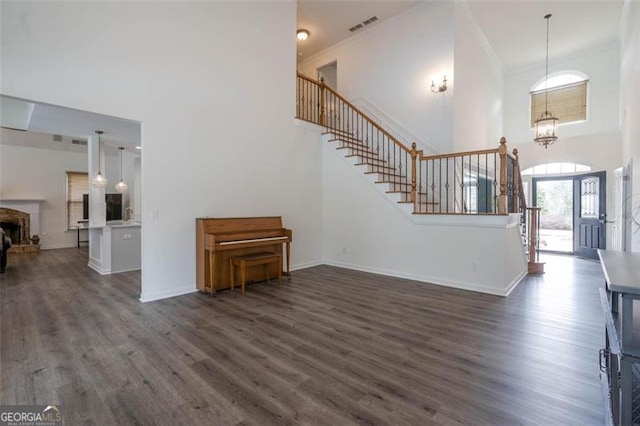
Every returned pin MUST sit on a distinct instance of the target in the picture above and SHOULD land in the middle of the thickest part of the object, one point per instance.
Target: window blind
(567, 103)
(77, 185)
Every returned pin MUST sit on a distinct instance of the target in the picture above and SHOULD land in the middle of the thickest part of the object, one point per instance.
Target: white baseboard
(150, 297)
(306, 265)
(97, 266)
(427, 279)
(517, 280)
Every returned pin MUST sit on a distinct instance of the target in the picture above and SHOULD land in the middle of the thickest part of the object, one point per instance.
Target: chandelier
(545, 125)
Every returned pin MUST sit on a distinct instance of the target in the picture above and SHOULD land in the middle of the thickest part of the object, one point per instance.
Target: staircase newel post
(502, 200)
(414, 157)
(516, 182)
(323, 117)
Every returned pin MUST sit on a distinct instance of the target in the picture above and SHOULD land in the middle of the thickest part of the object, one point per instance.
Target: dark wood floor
(333, 347)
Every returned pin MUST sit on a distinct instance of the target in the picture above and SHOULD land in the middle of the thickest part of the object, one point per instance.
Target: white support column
(97, 204)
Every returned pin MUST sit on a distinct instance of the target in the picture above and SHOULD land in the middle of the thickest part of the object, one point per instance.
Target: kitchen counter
(115, 247)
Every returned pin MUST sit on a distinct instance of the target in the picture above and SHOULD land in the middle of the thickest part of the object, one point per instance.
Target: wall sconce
(441, 88)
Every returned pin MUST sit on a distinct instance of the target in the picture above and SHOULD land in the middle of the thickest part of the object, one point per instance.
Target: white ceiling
(328, 21)
(56, 120)
(517, 29)
(514, 28)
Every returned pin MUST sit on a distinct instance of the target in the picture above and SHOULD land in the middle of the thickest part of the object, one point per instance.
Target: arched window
(555, 168)
(566, 94)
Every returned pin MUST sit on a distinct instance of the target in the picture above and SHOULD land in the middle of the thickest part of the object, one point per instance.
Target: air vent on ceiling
(79, 142)
(370, 20)
(363, 24)
(57, 138)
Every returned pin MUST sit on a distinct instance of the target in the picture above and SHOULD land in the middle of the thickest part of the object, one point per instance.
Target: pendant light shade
(545, 126)
(99, 181)
(121, 186)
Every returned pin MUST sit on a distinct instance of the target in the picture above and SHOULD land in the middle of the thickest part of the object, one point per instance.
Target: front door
(589, 214)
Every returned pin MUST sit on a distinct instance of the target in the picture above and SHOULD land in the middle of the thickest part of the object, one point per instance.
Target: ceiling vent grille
(363, 24)
(79, 142)
(57, 138)
(370, 20)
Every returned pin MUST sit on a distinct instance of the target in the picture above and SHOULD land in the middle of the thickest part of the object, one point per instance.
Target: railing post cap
(413, 145)
(503, 140)
(515, 151)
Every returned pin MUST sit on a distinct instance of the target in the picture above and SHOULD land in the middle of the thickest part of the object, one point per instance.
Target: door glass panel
(590, 198)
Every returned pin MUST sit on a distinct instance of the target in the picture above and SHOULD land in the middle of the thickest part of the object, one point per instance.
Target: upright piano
(219, 239)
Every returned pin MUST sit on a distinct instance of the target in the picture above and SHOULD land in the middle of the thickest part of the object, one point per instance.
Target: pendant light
(99, 181)
(546, 124)
(121, 186)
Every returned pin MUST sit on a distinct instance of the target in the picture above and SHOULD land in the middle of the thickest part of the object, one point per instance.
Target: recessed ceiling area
(38, 118)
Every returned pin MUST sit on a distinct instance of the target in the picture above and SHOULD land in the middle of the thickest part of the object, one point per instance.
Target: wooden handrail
(357, 110)
(457, 154)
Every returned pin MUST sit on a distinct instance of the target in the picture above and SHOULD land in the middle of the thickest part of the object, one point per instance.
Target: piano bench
(255, 259)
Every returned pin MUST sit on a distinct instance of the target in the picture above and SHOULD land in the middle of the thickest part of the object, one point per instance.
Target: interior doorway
(330, 74)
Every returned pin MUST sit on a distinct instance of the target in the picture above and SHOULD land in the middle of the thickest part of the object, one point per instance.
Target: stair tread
(336, 131)
(365, 157)
(421, 202)
(386, 174)
(394, 182)
(350, 143)
(374, 165)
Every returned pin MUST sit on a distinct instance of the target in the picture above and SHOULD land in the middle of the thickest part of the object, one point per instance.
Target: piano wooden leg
(243, 274)
(212, 263)
(232, 271)
(288, 261)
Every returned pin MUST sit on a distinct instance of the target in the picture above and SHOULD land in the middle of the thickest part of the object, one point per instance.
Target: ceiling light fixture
(121, 186)
(302, 35)
(99, 181)
(546, 124)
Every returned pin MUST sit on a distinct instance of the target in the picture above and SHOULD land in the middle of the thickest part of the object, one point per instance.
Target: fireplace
(16, 225)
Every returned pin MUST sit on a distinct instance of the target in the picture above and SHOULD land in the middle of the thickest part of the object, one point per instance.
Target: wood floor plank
(332, 346)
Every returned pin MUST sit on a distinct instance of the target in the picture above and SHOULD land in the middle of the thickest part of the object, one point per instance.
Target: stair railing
(473, 182)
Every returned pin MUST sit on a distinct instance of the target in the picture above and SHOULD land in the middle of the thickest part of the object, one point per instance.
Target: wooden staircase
(473, 182)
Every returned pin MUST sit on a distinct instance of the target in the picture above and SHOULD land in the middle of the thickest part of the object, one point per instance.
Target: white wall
(601, 65)
(477, 110)
(392, 64)
(186, 71)
(630, 104)
(363, 230)
(38, 173)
